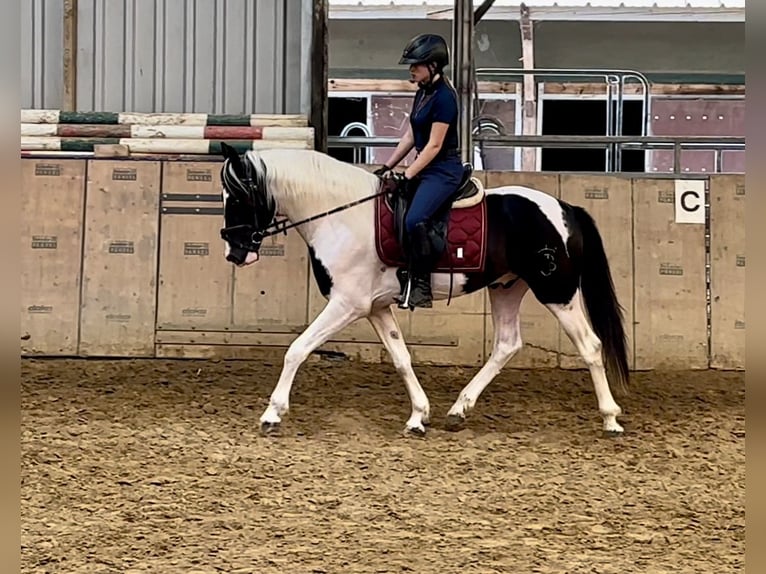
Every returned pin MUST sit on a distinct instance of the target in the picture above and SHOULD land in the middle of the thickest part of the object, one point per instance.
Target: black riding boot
(417, 290)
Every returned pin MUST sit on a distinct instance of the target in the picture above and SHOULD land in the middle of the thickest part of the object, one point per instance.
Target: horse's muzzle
(242, 258)
(236, 256)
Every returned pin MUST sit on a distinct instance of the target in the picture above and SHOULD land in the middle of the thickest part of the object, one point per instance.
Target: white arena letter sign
(690, 201)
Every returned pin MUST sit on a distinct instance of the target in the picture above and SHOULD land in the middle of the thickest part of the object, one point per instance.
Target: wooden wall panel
(447, 335)
(670, 300)
(727, 262)
(608, 199)
(120, 262)
(51, 250)
(272, 294)
(195, 281)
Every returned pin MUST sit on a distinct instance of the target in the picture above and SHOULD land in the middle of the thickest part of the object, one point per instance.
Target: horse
(529, 240)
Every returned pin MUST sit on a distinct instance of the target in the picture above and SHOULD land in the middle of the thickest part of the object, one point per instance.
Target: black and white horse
(533, 241)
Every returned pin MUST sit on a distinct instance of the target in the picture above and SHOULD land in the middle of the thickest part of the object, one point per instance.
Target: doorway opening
(588, 117)
(342, 111)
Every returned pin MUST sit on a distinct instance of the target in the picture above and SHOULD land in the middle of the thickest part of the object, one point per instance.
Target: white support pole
(529, 102)
(462, 66)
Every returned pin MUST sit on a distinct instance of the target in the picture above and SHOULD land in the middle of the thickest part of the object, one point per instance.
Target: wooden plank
(608, 199)
(51, 249)
(405, 86)
(120, 263)
(224, 338)
(670, 302)
(273, 355)
(539, 328)
(195, 281)
(69, 56)
(274, 290)
(727, 262)
(273, 351)
(576, 89)
(562, 88)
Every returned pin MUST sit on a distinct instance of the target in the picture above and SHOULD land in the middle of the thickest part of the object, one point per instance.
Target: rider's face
(418, 73)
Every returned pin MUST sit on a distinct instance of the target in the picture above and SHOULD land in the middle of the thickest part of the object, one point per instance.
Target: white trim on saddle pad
(474, 199)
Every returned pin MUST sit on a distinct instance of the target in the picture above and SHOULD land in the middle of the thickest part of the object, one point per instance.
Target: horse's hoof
(454, 422)
(269, 429)
(415, 432)
(613, 433)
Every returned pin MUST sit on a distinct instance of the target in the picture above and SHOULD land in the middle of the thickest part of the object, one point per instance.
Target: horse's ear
(228, 152)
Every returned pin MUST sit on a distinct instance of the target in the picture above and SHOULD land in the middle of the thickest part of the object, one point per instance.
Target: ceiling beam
(543, 13)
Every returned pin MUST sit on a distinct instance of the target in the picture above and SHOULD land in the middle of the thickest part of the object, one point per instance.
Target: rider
(433, 132)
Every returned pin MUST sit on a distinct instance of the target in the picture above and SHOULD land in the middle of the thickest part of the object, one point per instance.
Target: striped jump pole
(29, 116)
(169, 132)
(157, 145)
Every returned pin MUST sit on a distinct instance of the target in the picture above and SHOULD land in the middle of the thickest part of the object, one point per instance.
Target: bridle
(250, 236)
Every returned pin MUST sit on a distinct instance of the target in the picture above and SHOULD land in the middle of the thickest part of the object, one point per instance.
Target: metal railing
(718, 144)
(614, 80)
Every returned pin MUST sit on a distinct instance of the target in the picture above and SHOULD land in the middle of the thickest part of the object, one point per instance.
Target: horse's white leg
(334, 317)
(387, 327)
(575, 324)
(505, 305)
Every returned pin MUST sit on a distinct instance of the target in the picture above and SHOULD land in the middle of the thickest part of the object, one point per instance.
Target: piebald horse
(533, 241)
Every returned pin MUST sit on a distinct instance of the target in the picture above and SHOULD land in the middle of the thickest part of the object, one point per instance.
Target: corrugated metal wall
(216, 56)
(42, 36)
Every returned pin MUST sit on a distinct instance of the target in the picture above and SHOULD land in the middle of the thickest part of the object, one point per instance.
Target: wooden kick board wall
(727, 273)
(670, 285)
(156, 282)
(51, 251)
(195, 281)
(117, 316)
(205, 305)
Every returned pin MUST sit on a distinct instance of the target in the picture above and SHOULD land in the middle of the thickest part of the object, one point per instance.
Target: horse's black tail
(604, 310)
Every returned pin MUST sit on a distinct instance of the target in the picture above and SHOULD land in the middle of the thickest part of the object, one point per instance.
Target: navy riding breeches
(438, 182)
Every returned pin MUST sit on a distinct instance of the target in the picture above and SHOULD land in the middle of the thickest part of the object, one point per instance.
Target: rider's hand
(381, 171)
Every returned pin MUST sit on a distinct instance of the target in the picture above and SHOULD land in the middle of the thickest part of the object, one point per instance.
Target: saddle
(457, 231)
(469, 193)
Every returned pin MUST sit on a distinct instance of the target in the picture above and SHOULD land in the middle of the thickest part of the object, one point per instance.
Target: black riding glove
(381, 171)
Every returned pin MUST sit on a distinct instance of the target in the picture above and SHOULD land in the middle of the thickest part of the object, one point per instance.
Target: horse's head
(247, 207)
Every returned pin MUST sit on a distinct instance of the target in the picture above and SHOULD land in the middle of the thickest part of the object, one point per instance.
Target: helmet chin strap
(431, 73)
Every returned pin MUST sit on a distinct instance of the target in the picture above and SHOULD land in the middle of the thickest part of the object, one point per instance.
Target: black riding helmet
(426, 49)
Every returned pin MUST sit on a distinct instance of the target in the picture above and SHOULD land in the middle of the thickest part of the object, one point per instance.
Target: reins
(282, 226)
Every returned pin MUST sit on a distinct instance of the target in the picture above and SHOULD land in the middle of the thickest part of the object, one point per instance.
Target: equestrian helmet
(426, 48)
